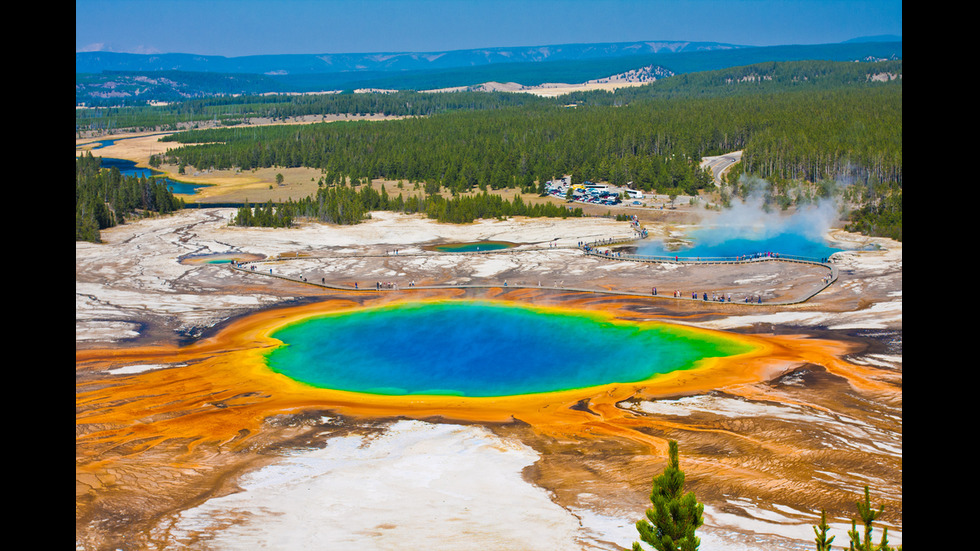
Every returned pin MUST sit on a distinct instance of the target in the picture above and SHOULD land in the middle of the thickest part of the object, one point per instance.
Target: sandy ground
(763, 456)
(551, 89)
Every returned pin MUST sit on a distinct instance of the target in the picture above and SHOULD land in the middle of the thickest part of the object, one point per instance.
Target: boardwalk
(600, 250)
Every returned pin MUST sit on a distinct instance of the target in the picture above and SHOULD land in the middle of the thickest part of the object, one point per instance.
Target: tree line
(106, 198)
(233, 110)
(463, 151)
(343, 204)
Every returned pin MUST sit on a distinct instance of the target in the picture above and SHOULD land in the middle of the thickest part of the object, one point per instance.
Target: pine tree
(868, 515)
(823, 544)
(674, 517)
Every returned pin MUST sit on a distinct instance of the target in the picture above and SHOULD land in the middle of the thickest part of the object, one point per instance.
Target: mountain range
(292, 64)
(102, 76)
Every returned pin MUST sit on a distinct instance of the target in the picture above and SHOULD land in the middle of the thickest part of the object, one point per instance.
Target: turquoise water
(714, 242)
(473, 247)
(480, 349)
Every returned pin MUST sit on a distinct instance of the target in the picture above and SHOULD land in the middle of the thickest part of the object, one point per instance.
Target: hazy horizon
(238, 28)
(421, 52)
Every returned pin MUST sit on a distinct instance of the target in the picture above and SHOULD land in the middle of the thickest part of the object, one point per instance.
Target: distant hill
(97, 62)
(876, 38)
(115, 79)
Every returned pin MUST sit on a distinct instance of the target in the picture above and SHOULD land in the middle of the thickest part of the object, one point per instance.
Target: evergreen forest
(105, 198)
(809, 129)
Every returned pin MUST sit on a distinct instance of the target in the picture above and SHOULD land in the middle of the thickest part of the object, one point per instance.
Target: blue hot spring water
(747, 231)
(477, 246)
(481, 349)
(727, 243)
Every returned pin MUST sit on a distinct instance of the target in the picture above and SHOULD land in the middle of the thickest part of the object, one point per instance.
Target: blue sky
(235, 28)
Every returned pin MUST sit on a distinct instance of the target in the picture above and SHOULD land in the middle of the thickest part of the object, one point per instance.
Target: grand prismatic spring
(224, 440)
(483, 349)
(497, 361)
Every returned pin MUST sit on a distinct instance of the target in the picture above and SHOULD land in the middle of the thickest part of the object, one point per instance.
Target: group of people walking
(716, 297)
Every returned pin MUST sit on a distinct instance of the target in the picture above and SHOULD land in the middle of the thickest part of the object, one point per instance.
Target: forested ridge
(105, 198)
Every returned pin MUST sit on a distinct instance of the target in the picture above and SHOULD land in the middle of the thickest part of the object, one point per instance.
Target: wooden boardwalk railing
(591, 249)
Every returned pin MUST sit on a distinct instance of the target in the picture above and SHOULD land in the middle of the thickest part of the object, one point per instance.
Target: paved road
(720, 163)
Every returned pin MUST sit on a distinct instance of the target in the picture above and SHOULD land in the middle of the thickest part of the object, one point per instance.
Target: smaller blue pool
(476, 246)
(728, 242)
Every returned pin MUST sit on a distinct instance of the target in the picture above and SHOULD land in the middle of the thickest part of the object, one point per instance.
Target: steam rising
(754, 227)
(752, 219)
